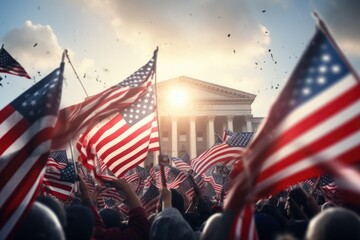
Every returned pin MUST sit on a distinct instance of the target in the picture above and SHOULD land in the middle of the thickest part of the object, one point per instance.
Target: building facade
(191, 112)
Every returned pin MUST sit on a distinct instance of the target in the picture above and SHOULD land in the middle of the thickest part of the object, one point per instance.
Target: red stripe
(6, 112)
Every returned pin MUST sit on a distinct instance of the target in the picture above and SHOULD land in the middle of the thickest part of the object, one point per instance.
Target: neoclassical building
(191, 112)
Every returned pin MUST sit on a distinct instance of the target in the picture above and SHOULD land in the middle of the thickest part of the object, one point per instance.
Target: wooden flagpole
(163, 159)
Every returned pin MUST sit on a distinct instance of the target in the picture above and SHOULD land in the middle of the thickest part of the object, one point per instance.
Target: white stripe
(58, 190)
(328, 154)
(315, 133)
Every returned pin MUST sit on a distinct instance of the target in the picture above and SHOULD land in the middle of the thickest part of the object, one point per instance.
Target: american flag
(26, 127)
(219, 153)
(136, 177)
(113, 193)
(181, 164)
(86, 176)
(187, 188)
(347, 184)
(74, 119)
(150, 199)
(60, 176)
(174, 177)
(313, 122)
(242, 138)
(215, 180)
(124, 141)
(9, 65)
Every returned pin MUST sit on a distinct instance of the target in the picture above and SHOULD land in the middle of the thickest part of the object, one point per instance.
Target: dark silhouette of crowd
(290, 215)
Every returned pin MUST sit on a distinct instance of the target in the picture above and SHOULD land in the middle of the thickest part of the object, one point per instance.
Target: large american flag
(314, 121)
(229, 150)
(26, 128)
(125, 141)
(60, 176)
(9, 65)
(76, 118)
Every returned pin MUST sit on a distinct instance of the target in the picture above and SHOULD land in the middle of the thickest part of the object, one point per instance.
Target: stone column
(174, 137)
(192, 137)
(211, 132)
(230, 123)
(248, 123)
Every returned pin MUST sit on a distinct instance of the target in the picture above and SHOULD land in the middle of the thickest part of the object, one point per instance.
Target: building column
(230, 123)
(248, 123)
(192, 137)
(211, 132)
(174, 137)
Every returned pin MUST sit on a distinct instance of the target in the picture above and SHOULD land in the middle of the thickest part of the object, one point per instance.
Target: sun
(178, 97)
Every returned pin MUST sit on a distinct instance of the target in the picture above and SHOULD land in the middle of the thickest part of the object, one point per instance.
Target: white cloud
(35, 46)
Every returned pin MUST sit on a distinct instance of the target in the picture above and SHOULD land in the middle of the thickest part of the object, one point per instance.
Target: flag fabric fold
(26, 129)
(74, 119)
(124, 142)
(9, 65)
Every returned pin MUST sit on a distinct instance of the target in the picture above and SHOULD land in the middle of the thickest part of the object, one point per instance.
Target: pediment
(202, 91)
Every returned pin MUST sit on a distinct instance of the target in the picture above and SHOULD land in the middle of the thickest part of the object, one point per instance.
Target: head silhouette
(334, 223)
(40, 223)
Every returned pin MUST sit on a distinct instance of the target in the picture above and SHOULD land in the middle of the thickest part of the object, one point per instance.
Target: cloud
(35, 46)
(342, 18)
(193, 36)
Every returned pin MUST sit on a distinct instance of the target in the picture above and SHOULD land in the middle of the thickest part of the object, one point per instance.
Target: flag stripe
(22, 156)
(293, 126)
(311, 163)
(12, 221)
(301, 150)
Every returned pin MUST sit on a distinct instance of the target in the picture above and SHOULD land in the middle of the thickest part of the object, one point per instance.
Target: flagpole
(321, 24)
(77, 76)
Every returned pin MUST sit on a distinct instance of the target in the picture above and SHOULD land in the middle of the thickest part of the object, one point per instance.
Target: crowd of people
(297, 214)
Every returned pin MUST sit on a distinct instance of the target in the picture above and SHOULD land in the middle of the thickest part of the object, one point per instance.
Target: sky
(248, 45)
